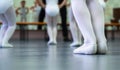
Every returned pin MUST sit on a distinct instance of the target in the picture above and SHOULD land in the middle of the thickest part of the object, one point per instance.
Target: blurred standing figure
(41, 16)
(8, 18)
(34, 12)
(35, 9)
(52, 10)
(23, 11)
(63, 14)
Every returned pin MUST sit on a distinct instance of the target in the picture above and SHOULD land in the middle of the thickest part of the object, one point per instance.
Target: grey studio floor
(37, 55)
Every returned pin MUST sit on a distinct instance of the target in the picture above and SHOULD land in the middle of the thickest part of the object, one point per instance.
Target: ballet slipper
(102, 48)
(52, 43)
(8, 34)
(6, 45)
(86, 49)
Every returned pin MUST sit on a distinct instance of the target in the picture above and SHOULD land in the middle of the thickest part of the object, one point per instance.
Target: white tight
(52, 27)
(90, 19)
(76, 34)
(8, 25)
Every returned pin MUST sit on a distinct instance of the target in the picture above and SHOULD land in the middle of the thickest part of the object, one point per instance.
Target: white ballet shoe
(102, 48)
(75, 44)
(86, 49)
(52, 42)
(6, 45)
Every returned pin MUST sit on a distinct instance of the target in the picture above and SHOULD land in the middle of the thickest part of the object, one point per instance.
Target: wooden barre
(112, 24)
(29, 23)
(43, 23)
(32, 23)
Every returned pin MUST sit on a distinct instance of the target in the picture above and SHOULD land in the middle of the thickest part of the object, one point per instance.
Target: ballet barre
(31, 23)
(112, 24)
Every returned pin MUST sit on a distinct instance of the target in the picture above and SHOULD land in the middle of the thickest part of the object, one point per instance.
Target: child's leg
(11, 19)
(97, 15)
(49, 28)
(83, 19)
(55, 29)
(3, 29)
(76, 35)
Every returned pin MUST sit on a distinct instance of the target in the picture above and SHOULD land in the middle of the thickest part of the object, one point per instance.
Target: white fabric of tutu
(52, 10)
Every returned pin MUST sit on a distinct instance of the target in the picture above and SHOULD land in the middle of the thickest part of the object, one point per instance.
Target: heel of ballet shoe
(102, 48)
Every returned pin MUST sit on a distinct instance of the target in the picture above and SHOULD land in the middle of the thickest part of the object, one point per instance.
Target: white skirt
(4, 5)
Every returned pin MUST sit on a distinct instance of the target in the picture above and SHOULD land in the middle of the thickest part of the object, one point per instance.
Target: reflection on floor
(37, 55)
